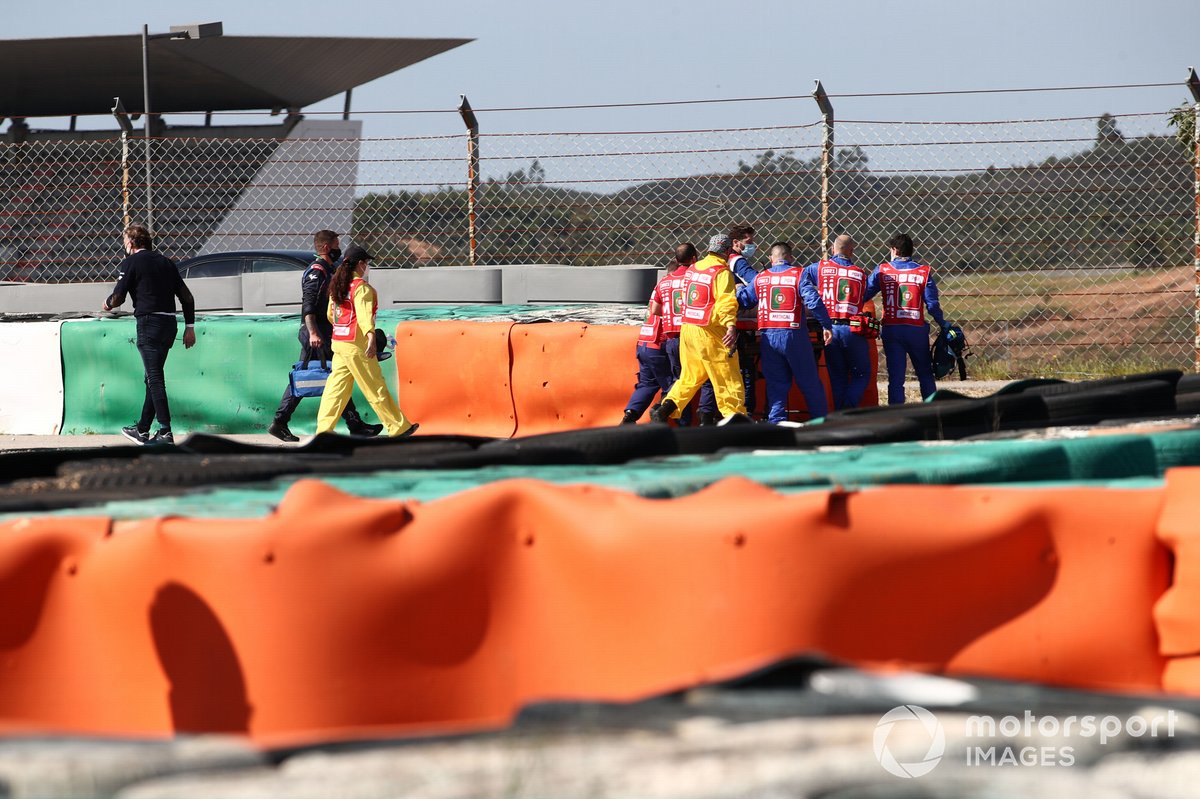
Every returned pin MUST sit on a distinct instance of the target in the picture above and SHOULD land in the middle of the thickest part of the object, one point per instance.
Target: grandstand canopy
(82, 75)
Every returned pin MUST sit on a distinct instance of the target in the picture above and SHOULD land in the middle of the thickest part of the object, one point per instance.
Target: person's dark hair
(902, 244)
(139, 235)
(738, 232)
(323, 237)
(685, 253)
(784, 248)
(339, 285)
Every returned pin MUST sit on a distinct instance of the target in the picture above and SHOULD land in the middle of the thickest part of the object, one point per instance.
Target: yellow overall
(351, 365)
(702, 356)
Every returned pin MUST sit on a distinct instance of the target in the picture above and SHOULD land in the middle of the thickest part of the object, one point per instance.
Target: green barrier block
(230, 382)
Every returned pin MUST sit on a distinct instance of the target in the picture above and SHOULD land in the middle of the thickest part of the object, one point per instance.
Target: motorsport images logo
(1008, 740)
(928, 722)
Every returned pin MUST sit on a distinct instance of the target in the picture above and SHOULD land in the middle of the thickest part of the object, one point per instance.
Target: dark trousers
(288, 403)
(747, 349)
(902, 343)
(654, 376)
(155, 335)
(848, 358)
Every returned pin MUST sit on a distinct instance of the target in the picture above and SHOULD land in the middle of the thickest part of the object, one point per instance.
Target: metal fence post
(1193, 84)
(472, 124)
(122, 117)
(826, 162)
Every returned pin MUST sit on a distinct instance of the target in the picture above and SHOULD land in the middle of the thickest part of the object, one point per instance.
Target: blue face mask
(748, 251)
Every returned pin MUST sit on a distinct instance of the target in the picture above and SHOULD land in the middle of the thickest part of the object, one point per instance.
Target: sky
(555, 52)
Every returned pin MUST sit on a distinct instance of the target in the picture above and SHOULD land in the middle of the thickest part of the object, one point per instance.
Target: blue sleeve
(932, 304)
(872, 286)
(812, 297)
(745, 272)
(747, 297)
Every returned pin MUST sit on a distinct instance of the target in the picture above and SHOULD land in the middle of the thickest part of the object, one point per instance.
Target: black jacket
(153, 282)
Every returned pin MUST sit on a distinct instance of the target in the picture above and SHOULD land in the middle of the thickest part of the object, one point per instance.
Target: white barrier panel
(31, 395)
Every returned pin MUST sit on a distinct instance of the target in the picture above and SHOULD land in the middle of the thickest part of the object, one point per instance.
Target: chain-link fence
(1063, 247)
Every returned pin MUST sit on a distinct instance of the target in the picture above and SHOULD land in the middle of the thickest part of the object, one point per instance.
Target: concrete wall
(447, 285)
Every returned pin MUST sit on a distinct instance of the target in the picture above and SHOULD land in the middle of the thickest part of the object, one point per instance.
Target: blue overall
(848, 355)
(787, 355)
(654, 375)
(902, 343)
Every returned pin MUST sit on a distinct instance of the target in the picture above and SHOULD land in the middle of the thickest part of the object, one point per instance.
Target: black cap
(354, 254)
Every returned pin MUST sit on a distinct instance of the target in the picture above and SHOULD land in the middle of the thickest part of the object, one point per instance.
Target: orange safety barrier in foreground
(453, 377)
(1178, 612)
(503, 379)
(339, 617)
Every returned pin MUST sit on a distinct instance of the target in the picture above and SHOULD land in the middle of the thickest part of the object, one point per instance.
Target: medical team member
(785, 350)
(842, 284)
(909, 291)
(352, 306)
(708, 337)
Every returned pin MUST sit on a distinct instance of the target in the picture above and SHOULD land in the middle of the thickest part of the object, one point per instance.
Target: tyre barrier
(43, 480)
(337, 617)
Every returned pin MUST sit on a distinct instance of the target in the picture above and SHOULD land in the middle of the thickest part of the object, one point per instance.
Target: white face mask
(366, 269)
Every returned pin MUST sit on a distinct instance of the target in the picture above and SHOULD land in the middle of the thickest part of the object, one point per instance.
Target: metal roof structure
(82, 75)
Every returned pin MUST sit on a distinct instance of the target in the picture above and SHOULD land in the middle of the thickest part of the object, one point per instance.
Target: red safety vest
(669, 293)
(650, 332)
(747, 318)
(345, 319)
(698, 297)
(779, 304)
(903, 293)
(841, 288)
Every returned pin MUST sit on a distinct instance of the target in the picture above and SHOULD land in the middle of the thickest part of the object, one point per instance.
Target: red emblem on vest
(779, 304)
(698, 299)
(669, 293)
(903, 293)
(345, 318)
(841, 288)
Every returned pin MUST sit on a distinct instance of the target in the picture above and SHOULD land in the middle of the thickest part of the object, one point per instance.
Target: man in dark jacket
(154, 282)
(316, 335)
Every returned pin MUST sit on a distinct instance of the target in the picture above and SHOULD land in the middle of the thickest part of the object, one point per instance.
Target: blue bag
(308, 377)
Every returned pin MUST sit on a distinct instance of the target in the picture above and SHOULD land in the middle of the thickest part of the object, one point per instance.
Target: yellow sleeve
(364, 308)
(724, 290)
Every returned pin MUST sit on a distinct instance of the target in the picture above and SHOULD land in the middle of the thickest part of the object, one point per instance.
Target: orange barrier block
(339, 617)
(453, 377)
(569, 375)
(1176, 612)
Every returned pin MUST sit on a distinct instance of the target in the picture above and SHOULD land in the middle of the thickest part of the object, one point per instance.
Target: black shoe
(366, 430)
(663, 412)
(135, 435)
(280, 430)
(631, 418)
(411, 429)
(162, 437)
(706, 418)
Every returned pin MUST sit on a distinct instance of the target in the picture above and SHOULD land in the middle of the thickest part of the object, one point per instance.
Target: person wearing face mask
(154, 282)
(741, 265)
(352, 307)
(316, 335)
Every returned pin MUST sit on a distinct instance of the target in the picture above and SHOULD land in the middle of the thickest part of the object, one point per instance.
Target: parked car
(230, 264)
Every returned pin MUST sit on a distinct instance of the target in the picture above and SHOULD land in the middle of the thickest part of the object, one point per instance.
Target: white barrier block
(31, 394)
